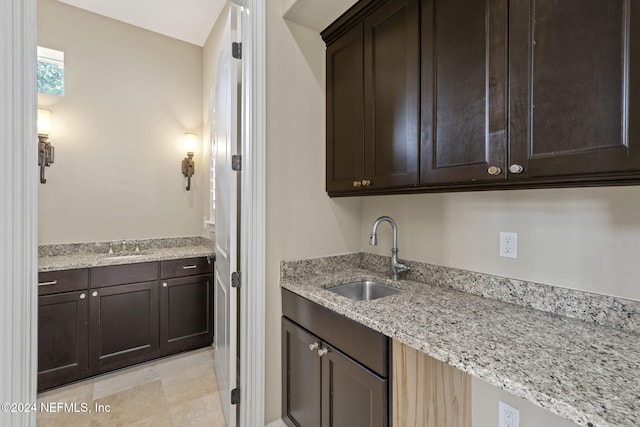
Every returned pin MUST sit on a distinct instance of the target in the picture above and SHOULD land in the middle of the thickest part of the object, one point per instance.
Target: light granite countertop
(579, 370)
(83, 255)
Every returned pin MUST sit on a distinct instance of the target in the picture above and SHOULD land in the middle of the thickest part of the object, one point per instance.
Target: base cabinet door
(300, 376)
(323, 387)
(62, 338)
(351, 394)
(186, 313)
(123, 325)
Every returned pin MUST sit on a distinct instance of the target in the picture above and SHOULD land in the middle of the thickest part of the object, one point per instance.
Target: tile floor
(177, 391)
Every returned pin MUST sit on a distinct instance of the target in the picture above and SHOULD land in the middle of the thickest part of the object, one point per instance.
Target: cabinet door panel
(571, 63)
(351, 394)
(62, 338)
(124, 324)
(463, 90)
(186, 313)
(300, 377)
(391, 61)
(345, 111)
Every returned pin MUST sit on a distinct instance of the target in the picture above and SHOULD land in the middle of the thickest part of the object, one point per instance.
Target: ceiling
(187, 20)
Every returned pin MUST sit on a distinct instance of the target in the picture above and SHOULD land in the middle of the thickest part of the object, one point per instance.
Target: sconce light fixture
(188, 167)
(45, 149)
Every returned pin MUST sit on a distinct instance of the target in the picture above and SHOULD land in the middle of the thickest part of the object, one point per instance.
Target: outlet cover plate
(508, 244)
(509, 416)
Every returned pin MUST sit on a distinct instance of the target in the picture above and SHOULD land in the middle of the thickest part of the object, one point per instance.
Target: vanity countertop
(576, 369)
(83, 255)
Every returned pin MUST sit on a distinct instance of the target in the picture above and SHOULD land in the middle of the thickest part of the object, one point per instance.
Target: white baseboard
(276, 423)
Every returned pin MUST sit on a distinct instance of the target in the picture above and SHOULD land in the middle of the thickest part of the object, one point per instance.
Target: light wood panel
(427, 392)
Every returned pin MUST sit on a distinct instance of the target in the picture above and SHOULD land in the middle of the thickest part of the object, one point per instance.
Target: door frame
(19, 211)
(252, 215)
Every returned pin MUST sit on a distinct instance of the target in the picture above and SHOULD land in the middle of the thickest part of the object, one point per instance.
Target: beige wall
(301, 220)
(585, 238)
(130, 94)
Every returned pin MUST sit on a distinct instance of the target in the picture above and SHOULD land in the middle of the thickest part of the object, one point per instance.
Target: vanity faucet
(396, 267)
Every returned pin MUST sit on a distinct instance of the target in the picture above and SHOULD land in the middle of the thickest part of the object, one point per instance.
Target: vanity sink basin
(364, 290)
(129, 256)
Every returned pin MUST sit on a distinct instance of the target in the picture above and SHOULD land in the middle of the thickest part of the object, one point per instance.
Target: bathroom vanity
(99, 318)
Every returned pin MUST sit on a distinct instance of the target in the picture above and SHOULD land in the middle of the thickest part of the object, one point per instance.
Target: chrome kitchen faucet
(396, 267)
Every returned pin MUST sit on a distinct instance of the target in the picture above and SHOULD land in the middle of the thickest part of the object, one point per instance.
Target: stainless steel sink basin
(364, 290)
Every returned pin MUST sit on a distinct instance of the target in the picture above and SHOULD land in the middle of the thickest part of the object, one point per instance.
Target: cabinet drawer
(122, 274)
(185, 267)
(359, 342)
(53, 282)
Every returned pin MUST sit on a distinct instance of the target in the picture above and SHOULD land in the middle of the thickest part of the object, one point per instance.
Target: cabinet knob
(164, 284)
(323, 351)
(313, 346)
(494, 170)
(357, 183)
(94, 293)
(83, 296)
(515, 168)
(366, 183)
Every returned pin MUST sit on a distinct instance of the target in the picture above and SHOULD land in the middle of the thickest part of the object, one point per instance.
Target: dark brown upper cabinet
(373, 97)
(560, 110)
(464, 90)
(574, 107)
(513, 94)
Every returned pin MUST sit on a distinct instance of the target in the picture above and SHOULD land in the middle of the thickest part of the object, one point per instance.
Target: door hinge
(235, 396)
(236, 162)
(235, 279)
(236, 50)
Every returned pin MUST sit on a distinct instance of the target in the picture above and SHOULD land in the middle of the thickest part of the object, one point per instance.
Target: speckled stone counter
(81, 255)
(576, 369)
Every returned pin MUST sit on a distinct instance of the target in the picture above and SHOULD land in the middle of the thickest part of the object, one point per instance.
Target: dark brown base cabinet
(92, 321)
(323, 386)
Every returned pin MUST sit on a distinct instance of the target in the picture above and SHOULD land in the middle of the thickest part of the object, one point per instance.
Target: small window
(50, 71)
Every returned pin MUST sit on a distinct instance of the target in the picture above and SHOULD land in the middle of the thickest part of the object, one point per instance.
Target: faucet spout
(396, 267)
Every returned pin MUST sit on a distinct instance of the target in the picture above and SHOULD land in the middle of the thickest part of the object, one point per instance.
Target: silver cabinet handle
(313, 346)
(164, 284)
(323, 351)
(516, 168)
(94, 293)
(494, 170)
(53, 282)
(188, 267)
(82, 296)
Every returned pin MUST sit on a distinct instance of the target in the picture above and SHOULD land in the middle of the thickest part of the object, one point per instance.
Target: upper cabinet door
(345, 112)
(464, 90)
(574, 102)
(391, 85)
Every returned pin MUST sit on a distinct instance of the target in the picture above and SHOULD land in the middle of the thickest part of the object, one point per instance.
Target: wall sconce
(188, 167)
(45, 149)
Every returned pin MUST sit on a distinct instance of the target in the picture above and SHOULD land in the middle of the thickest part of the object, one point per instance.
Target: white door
(227, 203)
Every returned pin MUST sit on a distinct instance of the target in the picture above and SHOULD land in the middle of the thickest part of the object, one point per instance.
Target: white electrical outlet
(508, 245)
(509, 416)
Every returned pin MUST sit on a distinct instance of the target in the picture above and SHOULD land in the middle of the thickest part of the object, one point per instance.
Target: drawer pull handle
(53, 282)
(323, 351)
(82, 296)
(164, 284)
(313, 346)
(188, 267)
(95, 293)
